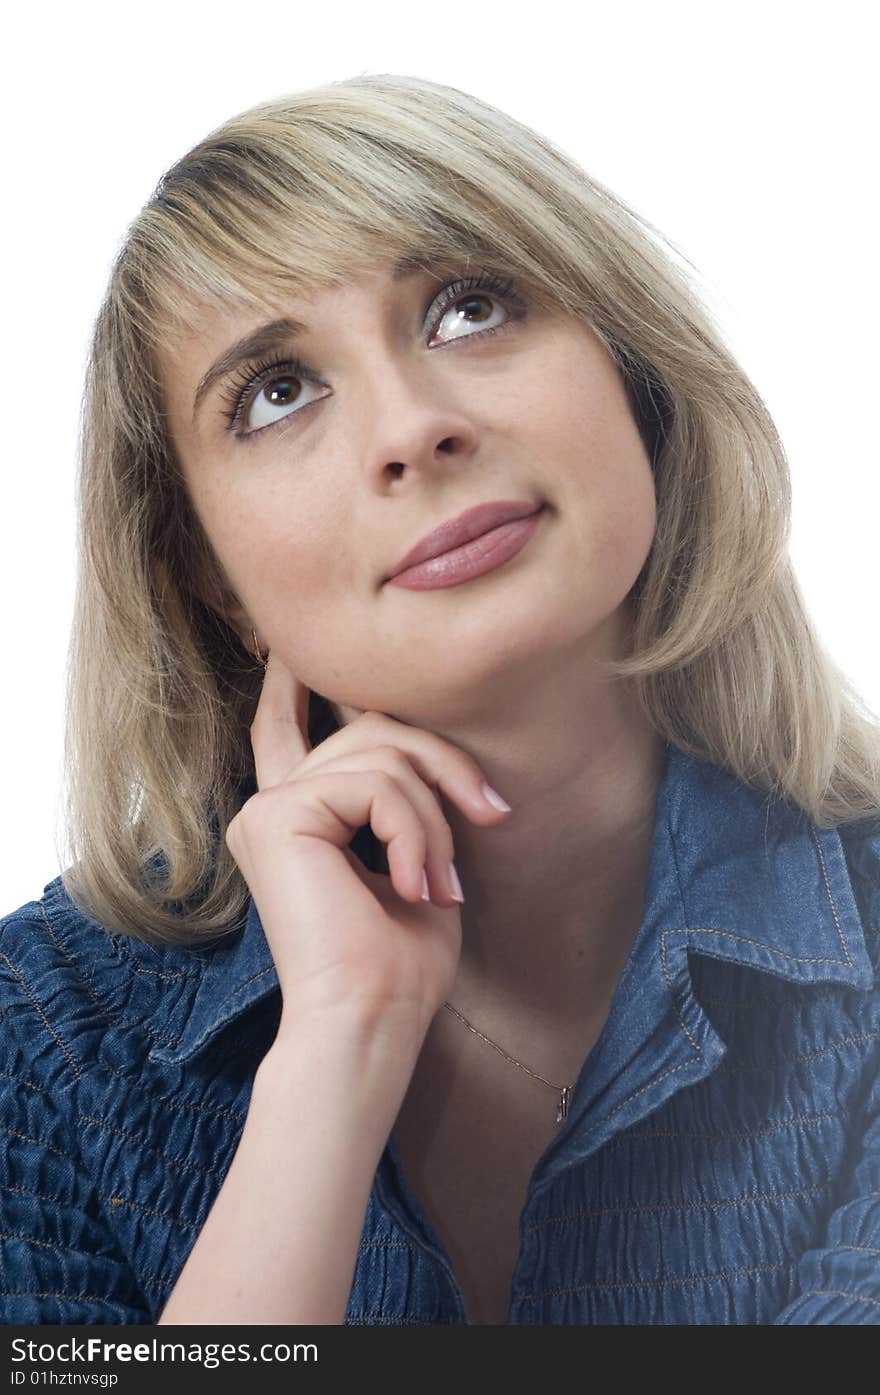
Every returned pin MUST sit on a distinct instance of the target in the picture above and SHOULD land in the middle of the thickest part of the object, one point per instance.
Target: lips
(463, 529)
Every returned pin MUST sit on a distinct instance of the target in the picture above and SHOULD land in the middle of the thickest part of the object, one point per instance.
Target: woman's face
(405, 411)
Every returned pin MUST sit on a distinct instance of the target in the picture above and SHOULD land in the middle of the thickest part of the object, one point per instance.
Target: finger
(280, 729)
(439, 851)
(329, 808)
(445, 768)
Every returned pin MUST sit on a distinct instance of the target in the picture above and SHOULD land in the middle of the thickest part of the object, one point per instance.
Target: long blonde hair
(293, 196)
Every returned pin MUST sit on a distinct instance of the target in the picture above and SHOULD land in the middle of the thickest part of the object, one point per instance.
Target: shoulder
(100, 1143)
(72, 991)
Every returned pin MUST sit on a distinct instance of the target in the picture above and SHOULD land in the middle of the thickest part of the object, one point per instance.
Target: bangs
(291, 208)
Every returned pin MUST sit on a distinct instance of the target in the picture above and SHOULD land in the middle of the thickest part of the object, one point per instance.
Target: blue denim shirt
(720, 1162)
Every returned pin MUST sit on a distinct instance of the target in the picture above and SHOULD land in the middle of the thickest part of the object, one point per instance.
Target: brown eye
(473, 309)
(280, 392)
(473, 306)
(279, 397)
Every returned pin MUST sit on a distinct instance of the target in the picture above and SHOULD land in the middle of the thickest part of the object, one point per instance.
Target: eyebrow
(269, 337)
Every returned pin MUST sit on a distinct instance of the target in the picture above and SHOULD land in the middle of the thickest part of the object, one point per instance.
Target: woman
(501, 948)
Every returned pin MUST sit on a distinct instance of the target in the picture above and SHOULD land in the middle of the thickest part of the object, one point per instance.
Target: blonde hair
(293, 196)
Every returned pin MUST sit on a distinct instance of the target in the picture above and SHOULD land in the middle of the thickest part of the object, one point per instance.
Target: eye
(468, 302)
(474, 310)
(278, 397)
(265, 394)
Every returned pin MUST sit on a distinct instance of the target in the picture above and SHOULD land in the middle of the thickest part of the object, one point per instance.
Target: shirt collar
(735, 873)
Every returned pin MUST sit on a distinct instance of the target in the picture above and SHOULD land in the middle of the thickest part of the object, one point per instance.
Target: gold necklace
(565, 1091)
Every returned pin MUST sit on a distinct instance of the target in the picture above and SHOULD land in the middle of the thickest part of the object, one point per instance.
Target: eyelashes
(251, 378)
(243, 388)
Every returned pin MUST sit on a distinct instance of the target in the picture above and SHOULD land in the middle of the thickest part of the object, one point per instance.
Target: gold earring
(260, 659)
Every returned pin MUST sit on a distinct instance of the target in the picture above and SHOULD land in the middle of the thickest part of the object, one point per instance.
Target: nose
(413, 418)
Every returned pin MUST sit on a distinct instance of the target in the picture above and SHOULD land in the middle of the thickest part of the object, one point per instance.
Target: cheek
(625, 524)
(606, 487)
(271, 544)
(310, 597)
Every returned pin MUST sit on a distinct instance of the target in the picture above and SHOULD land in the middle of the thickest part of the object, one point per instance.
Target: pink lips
(476, 542)
(463, 529)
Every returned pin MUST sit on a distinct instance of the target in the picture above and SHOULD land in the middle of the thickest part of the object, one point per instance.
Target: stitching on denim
(840, 1293)
(623, 1139)
(236, 1115)
(118, 1022)
(103, 1196)
(798, 959)
(224, 1003)
(37, 1196)
(241, 986)
(804, 1056)
(689, 931)
(860, 1249)
(142, 1142)
(71, 1059)
(86, 1297)
(672, 1209)
(62, 949)
(384, 1245)
(43, 1244)
(685, 1065)
(147, 1210)
(846, 952)
(60, 1250)
(655, 1283)
(101, 1007)
(38, 1089)
(746, 940)
(121, 945)
(26, 1138)
(175, 1040)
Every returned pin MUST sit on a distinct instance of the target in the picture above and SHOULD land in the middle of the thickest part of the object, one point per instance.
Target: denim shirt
(719, 1163)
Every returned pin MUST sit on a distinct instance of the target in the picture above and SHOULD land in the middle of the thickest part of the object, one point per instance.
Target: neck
(554, 896)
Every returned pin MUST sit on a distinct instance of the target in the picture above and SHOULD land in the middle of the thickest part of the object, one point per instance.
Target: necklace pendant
(562, 1111)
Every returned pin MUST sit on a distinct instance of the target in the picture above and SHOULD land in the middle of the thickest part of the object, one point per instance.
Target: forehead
(193, 323)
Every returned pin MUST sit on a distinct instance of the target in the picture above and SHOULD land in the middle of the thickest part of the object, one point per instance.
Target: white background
(747, 133)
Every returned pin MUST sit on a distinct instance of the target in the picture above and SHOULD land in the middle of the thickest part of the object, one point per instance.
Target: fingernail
(495, 798)
(457, 893)
(426, 894)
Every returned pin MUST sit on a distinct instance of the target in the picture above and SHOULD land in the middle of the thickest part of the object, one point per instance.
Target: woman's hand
(343, 938)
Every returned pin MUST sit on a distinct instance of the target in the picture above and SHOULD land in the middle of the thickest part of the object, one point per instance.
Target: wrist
(338, 1052)
(346, 1026)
